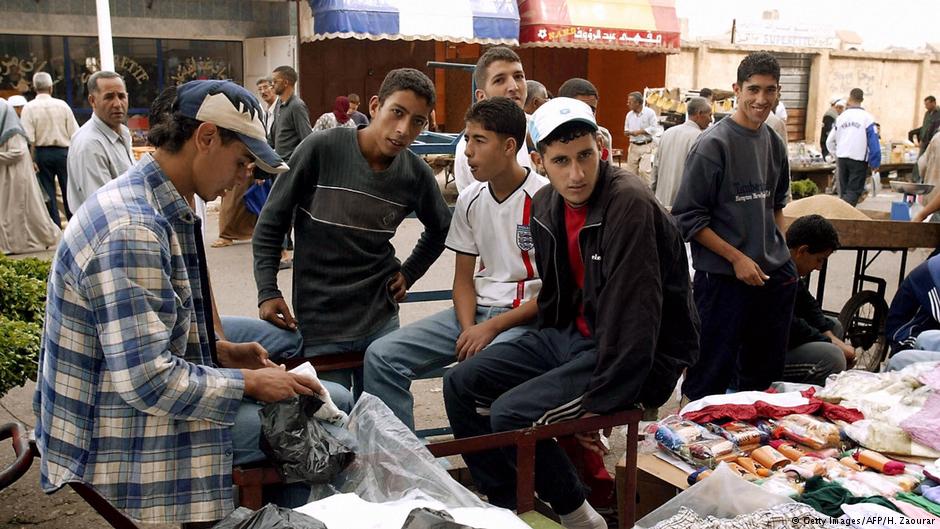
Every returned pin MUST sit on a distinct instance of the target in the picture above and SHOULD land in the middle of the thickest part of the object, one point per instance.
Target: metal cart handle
(24, 454)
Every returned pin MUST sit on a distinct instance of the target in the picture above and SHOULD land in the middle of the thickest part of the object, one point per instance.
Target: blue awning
(471, 21)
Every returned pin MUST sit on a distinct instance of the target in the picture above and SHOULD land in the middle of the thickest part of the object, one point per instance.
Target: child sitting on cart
(815, 349)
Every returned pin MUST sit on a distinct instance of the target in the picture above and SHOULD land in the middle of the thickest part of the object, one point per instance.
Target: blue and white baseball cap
(230, 106)
(555, 113)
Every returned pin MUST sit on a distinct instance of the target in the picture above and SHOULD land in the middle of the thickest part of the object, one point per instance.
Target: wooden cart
(863, 315)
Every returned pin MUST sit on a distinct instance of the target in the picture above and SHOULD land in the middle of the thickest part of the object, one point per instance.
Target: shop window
(135, 59)
(24, 55)
(148, 65)
(189, 60)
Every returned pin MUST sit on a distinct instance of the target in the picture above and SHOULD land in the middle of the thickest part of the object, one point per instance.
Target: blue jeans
(286, 344)
(926, 349)
(539, 378)
(744, 332)
(280, 344)
(350, 378)
(392, 362)
(852, 176)
(813, 362)
(53, 164)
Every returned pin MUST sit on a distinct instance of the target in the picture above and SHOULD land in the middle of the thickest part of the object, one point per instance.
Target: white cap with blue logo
(555, 113)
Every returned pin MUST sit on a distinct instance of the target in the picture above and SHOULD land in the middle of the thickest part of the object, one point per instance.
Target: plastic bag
(234, 518)
(390, 461)
(808, 430)
(256, 195)
(673, 432)
(304, 448)
(269, 517)
(424, 518)
(693, 443)
(742, 434)
(710, 452)
(722, 494)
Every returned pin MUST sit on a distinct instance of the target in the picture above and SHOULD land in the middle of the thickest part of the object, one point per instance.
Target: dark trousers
(744, 333)
(536, 379)
(852, 175)
(52, 162)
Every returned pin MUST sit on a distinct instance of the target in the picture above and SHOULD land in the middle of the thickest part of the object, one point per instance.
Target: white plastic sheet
(351, 512)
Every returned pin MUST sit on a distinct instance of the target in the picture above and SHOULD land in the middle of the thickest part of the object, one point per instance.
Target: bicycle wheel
(863, 320)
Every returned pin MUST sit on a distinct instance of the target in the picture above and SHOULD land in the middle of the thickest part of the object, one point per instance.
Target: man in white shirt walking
(640, 126)
(855, 144)
(50, 125)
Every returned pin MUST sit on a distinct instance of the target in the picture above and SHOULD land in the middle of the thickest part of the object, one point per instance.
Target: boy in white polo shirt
(494, 302)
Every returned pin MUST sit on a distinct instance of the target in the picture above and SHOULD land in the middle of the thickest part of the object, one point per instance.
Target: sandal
(222, 243)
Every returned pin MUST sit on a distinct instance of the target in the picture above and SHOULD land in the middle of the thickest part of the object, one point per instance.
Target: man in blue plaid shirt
(134, 395)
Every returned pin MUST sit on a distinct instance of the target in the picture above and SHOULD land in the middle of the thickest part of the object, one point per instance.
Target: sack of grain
(828, 206)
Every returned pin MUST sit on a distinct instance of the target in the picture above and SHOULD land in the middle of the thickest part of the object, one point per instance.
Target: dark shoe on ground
(285, 264)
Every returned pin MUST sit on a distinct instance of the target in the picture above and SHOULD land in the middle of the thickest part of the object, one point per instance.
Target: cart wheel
(863, 320)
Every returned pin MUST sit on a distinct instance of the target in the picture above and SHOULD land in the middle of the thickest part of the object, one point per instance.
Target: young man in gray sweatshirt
(730, 206)
(347, 191)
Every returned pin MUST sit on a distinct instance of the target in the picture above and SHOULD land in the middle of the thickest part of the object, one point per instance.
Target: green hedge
(22, 306)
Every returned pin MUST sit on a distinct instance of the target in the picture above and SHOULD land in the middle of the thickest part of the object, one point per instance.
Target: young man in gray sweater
(347, 191)
(730, 206)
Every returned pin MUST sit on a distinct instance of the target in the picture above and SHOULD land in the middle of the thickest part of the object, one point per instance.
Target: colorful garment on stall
(924, 426)
(889, 402)
(828, 497)
(920, 501)
(912, 511)
(752, 405)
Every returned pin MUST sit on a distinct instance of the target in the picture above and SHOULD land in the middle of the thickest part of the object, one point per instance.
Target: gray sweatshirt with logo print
(734, 179)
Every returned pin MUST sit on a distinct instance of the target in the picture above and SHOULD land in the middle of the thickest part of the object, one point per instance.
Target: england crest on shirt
(524, 238)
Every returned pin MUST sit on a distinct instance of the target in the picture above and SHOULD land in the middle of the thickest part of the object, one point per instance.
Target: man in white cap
(135, 396)
(836, 106)
(616, 321)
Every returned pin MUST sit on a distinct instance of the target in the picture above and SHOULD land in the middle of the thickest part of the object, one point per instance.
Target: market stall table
(657, 482)
(904, 170)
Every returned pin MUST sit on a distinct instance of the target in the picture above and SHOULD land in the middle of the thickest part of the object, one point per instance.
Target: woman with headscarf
(339, 117)
(25, 225)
